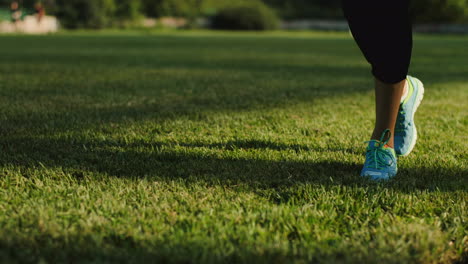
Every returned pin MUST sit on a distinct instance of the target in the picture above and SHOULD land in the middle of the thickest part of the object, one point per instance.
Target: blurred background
(33, 16)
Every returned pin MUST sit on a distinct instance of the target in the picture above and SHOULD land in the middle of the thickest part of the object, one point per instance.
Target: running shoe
(405, 129)
(381, 161)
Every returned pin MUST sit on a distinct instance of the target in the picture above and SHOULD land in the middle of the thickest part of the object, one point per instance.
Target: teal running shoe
(405, 129)
(381, 161)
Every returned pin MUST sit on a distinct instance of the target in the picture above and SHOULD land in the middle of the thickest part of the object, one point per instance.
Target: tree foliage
(128, 9)
(105, 13)
(253, 15)
(84, 13)
(440, 11)
(301, 9)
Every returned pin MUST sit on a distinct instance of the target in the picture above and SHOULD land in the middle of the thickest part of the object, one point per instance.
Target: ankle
(405, 92)
(377, 135)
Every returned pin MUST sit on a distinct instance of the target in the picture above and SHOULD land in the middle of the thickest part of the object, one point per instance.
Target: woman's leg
(387, 104)
(383, 32)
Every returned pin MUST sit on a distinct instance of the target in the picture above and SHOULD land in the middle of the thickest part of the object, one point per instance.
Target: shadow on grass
(202, 75)
(178, 94)
(213, 163)
(95, 104)
(202, 246)
(270, 83)
(127, 249)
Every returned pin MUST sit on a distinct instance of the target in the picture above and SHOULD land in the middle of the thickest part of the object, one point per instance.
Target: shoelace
(378, 156)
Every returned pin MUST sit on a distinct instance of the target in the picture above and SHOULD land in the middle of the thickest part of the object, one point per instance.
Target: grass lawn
(199, 147)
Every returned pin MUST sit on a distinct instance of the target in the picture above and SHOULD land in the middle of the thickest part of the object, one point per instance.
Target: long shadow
(161, 161)
(192, 162)
(118, 248)
(202, 74)
(268, 76)
(258, 54)
(235, 95)
(265, 144)
(25, 142)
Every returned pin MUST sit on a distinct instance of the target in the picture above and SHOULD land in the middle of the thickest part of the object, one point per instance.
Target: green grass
(222, 148)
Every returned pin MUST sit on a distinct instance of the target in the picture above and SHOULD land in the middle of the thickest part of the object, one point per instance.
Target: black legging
(383, 32)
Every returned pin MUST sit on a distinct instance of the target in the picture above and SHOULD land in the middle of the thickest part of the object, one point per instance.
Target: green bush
(307, 9)
(128, 13)
(175, 8)
(440, 11)
(227, 14)
(128, 9)
(252, 16)
(86, 14)
(97, 13)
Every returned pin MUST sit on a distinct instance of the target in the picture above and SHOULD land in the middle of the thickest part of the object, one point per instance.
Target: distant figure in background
(16, 12)
(39, 11)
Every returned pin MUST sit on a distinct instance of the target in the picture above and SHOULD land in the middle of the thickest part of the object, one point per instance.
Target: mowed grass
(222, 148)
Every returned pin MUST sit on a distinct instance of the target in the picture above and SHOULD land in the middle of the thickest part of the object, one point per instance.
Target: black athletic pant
(382, 31)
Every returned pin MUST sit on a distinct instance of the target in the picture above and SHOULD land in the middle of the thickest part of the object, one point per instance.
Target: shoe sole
(415, 131)
(386, 177)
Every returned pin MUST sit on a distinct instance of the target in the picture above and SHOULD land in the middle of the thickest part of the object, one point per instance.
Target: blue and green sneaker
(405, 129)
(381, 161)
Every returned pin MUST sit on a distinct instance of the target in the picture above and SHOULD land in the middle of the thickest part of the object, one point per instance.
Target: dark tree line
(105, 13)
